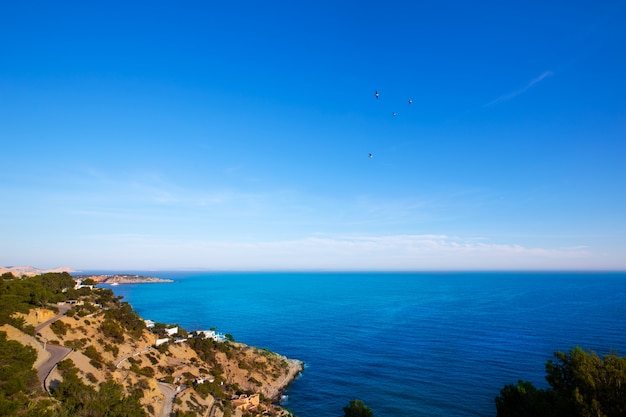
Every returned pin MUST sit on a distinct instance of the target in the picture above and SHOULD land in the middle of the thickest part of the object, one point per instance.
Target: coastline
(116, 279)
(170, 360)
(276, 391)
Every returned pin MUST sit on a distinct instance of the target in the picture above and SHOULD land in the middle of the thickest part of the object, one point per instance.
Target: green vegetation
(179, 413)
(20, 295)
(206, 349)
(112, 330)
(110, 323)
(20, 391)
(79, 399)
(212, 388)
(357, 408)
(127, 318)
(96, 358)
(582, 385)
(16, 375)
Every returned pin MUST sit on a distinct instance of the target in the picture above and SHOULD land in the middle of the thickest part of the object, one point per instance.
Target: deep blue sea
(418, 344)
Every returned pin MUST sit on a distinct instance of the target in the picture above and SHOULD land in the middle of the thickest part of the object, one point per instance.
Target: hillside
(30, 271)
(112, 347)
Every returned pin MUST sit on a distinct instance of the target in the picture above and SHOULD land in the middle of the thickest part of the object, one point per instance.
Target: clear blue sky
(236, 135)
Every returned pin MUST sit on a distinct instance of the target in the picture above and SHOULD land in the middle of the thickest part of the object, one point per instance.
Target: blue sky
(148, 135)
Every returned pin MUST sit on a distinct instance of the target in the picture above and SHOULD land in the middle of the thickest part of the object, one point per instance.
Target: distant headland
(111, 279)
(116, 279)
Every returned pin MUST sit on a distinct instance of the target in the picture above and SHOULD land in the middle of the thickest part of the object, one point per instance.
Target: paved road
(62, 310)
(169, 392)
(57, 353)
(122, 359)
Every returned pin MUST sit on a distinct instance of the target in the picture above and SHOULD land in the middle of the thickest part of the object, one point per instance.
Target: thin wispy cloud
(516, 93)
(390, 252)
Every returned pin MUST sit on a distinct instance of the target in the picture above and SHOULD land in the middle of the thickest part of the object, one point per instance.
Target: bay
(420, 344)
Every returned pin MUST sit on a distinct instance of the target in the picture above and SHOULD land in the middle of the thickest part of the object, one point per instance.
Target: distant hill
(30, 271)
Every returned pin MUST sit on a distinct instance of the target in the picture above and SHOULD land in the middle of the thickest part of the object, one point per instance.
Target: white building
(172, 331)
(159, 342)
(212, 334)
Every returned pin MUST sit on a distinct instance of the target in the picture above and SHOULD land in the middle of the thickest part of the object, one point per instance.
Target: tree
(89, 281)
(593, 386)
(582, 385)
(524, 400)
(16, 367)
(7, 276)
(357, 408)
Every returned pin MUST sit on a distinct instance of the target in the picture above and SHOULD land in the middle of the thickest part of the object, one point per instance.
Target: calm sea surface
(418, 344)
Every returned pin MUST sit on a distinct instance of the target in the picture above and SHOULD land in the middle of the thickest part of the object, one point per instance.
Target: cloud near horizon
(395, 252)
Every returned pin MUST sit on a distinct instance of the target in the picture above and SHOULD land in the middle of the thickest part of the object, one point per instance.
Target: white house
(172, 331)
(212, 334)
(159, 342)
(79, 285)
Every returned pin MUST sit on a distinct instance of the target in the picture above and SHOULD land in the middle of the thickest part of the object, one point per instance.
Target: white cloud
(516, 93)
(397, 252)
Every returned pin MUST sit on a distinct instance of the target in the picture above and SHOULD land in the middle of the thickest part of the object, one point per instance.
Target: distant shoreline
(115, 279)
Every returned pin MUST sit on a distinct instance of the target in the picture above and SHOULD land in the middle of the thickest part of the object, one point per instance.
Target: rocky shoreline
(275, 391)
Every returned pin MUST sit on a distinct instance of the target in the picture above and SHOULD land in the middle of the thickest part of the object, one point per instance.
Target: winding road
(57, 352)
(63, 309)
(121, 360)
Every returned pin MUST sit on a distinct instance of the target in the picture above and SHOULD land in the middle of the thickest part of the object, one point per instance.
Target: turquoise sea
(418, 344)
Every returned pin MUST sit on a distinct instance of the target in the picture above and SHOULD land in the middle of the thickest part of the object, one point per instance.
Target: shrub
(111, 348)
(147, 371)
(112, 330)
(59, 328)
(92, 353)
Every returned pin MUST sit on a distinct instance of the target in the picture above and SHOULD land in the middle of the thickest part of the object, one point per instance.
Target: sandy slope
(23, 338)
(251, 369)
